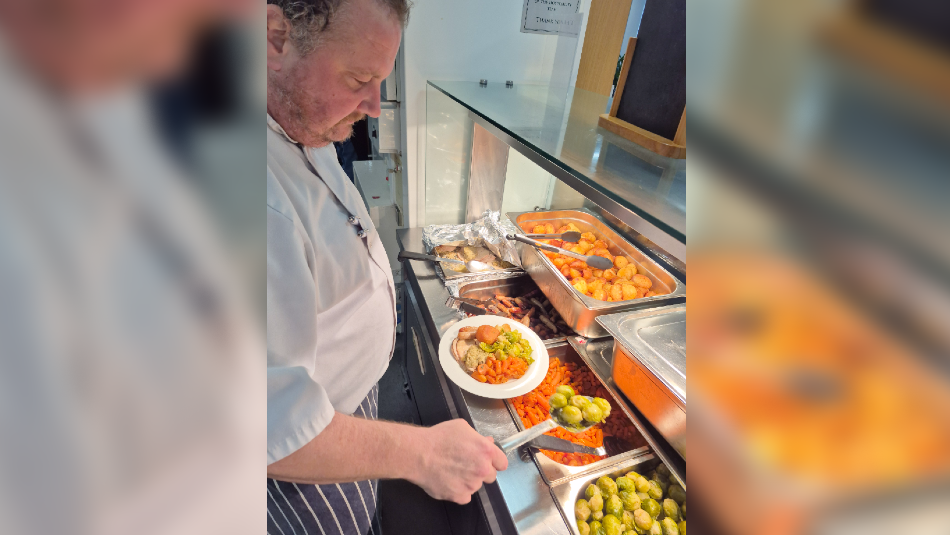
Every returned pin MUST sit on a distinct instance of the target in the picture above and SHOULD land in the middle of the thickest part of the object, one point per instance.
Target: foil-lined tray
(486, 232)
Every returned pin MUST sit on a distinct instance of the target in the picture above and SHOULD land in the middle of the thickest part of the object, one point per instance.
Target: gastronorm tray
(512, 286)
(649, 366)
(566, 495)
(577, 309)
(555, 473)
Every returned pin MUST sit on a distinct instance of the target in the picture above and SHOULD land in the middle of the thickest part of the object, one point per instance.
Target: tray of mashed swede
(493, 357)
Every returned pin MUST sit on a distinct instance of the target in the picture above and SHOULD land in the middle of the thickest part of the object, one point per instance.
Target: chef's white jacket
(331, 303)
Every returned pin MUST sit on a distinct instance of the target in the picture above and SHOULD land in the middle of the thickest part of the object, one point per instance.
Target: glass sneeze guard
(556, 128)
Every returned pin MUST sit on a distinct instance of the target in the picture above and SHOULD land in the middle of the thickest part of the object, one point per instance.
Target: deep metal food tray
(649, 366)
(577, 309)
(507, 287)
(567, 494)
(555, 473)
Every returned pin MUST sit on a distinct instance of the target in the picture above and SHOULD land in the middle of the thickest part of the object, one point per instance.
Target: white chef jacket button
(361, 234)
(353, 220)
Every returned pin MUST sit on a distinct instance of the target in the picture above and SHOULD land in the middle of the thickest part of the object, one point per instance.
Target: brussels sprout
(655, 491)
(582, 510)
(565, 390)
(663, 471)
(592, 490)
(595, 527)
(596, 502)
(558, 401)
(625, 483)
(669, 527)
(614, 530)
(627, 519)
(642, 483)
(662, 484)
(632, 476)
(642, 519)
(671, 509)
(631, 502)
(597, 515)
(607, 485)
(682, 527)
(571, 414)
(583, 527)
(643, 496)
(677, 494)
(630, 532)
(613, 505)
(603, 404)
(651, 506)
(593, 413)
(611, 520)
(579, 401)
(656, 529)
(683, 510)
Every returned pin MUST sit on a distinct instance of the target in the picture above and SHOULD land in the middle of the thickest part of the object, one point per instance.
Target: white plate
(528, 382)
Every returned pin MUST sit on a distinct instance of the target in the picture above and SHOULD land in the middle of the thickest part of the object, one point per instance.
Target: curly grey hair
(309, 19)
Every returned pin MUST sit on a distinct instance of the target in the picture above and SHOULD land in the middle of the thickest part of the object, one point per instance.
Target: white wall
(460, 40)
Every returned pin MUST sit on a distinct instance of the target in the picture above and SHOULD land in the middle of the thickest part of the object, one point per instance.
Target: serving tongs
(547, 442)
(569, 236)
(472, 306)
(511, 443)
(597, 262)
(478, 306)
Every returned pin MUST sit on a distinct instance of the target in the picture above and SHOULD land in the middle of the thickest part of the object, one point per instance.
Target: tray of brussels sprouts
(636, 497)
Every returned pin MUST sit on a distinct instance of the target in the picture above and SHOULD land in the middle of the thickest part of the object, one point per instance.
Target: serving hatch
(577, 309)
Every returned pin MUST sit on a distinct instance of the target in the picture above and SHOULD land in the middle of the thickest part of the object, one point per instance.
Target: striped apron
(334, 509)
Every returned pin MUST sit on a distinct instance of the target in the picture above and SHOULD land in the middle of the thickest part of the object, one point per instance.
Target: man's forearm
(354, 449)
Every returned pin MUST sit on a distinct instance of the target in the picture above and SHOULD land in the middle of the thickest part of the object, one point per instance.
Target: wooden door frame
(603, 40)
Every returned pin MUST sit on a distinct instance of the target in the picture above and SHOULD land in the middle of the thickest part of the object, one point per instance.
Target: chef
(330, 295)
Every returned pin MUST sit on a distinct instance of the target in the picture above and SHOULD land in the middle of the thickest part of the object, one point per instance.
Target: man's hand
(450, 461)
(455, 461)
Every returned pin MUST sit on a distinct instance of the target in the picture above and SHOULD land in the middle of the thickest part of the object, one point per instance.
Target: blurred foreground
(131, 267)
(820, 266)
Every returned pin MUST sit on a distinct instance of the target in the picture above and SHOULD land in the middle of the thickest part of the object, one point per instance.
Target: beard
(303, 116)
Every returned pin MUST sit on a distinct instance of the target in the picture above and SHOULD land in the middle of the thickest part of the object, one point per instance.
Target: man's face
(316, 98)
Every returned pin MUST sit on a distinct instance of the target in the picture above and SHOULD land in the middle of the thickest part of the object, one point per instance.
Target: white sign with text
(553, 17)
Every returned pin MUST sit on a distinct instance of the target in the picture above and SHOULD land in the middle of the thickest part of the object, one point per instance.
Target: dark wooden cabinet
(421, 360)
(429, 391)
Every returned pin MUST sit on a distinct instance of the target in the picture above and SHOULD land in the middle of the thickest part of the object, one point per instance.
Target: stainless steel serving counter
(519, 502)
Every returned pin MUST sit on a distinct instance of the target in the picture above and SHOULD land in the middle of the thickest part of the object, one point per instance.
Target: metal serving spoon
(569, 236)
(473, 266)
(597, 262)
(517, 439)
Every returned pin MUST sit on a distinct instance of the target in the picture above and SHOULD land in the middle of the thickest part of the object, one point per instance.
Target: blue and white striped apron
(334, 509)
